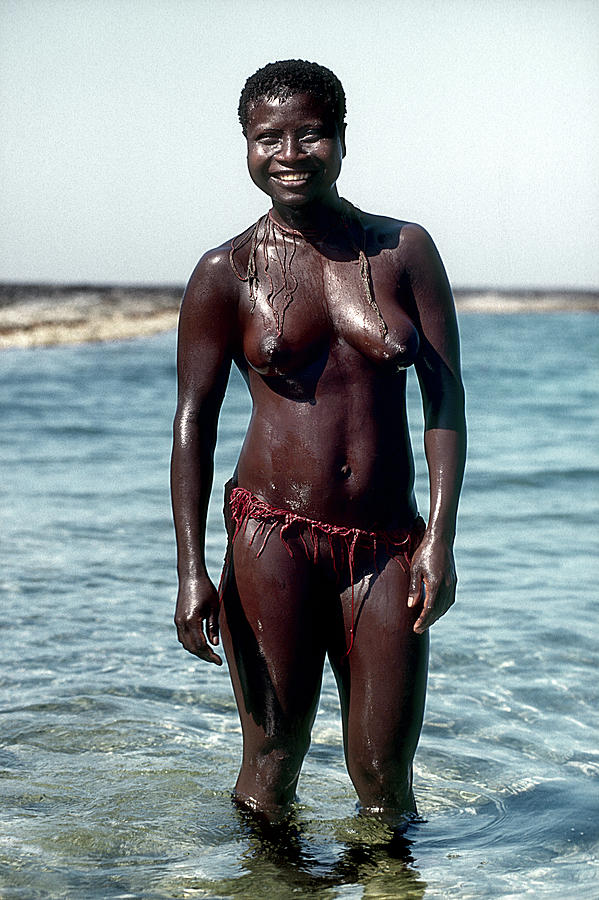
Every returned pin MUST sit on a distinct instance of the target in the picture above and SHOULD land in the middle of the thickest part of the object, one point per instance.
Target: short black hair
(287, 77)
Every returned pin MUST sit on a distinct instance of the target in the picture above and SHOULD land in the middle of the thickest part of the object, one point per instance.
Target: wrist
(189, 574)
(438, 534)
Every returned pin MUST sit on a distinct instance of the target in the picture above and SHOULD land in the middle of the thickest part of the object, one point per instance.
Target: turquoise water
(118, 750)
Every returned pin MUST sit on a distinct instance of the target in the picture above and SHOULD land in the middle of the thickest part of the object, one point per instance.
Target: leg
(275, 654)
(382, 686)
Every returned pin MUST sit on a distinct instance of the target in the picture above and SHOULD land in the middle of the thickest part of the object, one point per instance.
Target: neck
(314, 218)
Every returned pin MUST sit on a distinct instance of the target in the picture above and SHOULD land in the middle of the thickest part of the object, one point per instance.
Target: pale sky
(123, 160)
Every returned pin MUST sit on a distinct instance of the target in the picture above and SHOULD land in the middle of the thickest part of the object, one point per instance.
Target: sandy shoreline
(45, 315)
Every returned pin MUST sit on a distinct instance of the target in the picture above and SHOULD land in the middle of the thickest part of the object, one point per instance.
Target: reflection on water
(315, 859)
(118, 751)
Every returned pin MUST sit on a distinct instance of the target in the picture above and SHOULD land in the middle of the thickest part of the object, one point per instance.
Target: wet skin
(327, 439)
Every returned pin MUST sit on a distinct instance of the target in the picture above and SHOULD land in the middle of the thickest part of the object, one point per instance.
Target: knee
(279, 759)
(268, 777)
(381, 780)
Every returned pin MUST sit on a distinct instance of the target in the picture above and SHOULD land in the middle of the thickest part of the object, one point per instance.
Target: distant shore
(38, 315)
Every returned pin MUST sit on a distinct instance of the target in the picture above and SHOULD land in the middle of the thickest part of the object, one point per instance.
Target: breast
(296, 348)
(308, 333)
(396, 349)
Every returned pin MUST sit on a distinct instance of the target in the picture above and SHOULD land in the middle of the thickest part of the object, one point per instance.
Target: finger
(213, 628)
(428, 605)
(426, 618)
(415, 593)
(191, 635)
(194, 641)
(434, 608)
(208, 655)
(203, 650)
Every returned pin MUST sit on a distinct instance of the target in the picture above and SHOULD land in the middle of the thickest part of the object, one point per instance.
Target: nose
(290, 149)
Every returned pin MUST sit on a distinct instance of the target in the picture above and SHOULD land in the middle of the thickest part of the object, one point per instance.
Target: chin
(293, 201)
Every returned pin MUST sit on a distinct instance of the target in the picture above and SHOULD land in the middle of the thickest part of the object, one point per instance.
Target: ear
(342, 139)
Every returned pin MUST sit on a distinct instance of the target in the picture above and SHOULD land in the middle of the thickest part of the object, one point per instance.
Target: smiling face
(294, 150)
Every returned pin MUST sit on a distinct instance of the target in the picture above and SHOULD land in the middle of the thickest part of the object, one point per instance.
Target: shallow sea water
(118, 750)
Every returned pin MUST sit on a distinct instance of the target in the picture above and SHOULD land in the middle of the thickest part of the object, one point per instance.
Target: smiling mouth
(292, 177)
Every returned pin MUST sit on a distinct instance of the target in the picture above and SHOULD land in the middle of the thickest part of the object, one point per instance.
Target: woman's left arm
(433, 575)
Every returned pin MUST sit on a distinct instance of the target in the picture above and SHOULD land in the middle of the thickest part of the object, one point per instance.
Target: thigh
(382, 682)
(272, 640)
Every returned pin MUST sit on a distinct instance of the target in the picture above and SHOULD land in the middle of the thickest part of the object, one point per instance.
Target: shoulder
(381, 230)
(222, 269)
(411, 245)
(415, 241)
(211, 297)
(411, 241)
(413, 256)
(212, 273)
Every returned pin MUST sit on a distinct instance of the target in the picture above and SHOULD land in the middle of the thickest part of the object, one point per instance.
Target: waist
(244, 505)
(338, 483)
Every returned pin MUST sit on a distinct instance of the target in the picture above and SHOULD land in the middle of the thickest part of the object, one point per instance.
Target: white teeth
(292, 176)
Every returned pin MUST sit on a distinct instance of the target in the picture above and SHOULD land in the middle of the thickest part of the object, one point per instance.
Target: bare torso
(328, 436)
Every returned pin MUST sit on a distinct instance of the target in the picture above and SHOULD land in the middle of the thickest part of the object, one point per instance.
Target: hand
(433, 581)
(198, 603)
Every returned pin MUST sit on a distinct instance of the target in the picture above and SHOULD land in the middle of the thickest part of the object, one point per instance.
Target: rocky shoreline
(43, 315)
(40, 315)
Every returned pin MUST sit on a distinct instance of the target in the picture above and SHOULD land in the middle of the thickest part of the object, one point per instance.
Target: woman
(322, 308)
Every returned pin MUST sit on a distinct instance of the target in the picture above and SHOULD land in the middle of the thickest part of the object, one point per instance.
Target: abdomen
(340, 452)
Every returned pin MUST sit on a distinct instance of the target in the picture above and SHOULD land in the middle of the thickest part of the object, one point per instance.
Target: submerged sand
(43, 315)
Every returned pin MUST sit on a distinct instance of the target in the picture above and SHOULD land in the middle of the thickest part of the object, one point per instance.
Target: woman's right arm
(204, 354)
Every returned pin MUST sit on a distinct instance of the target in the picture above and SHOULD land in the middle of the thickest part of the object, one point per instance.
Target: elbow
(179, 425)
(446, 408)
(194, 431)
(185, 427)
(460, 401)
